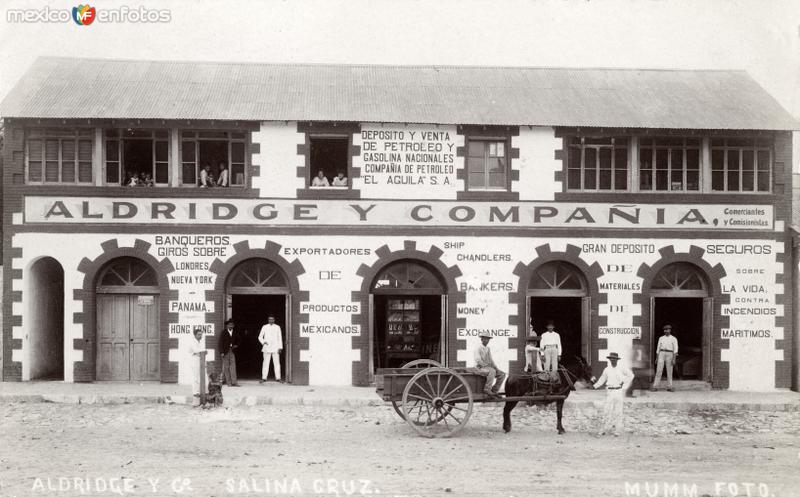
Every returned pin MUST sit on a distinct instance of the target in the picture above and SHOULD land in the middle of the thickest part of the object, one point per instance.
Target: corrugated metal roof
(645, 98)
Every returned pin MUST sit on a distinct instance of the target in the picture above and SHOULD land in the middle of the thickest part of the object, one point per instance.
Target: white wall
(537, 164)
(278, 159)
(330, 356)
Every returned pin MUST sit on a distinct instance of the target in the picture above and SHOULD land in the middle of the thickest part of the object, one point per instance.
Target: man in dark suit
(228, 343)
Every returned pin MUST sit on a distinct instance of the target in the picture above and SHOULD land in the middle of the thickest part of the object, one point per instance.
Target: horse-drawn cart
(437, 401)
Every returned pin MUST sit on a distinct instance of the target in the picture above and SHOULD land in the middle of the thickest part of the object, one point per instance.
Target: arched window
(557, 278)
(680, 278)
(257, 276)
(128, 275)
(408, 277)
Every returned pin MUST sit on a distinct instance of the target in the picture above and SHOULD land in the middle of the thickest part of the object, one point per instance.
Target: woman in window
(223, 178)
(320, 179)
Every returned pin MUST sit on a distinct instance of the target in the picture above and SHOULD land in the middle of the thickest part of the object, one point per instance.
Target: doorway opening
(45, 316)
(257, 289)
(680, 297)
(566, 315)
(407, 303)
(128, 337)
(250, 312)
(558, 291)
(411, 326)
(686, 317)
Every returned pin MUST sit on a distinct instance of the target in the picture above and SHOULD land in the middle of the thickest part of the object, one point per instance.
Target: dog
(214, 395)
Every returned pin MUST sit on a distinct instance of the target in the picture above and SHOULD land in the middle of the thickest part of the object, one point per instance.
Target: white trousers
(265, 365)
(613, 418)
(551, 359)
(195, 376)
(665, 358)
(195, 380)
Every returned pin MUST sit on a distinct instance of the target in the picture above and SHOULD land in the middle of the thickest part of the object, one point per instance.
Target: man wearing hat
(228, 343)
(666, 352)
(533, 356)
(484, 362)
(271, 345)
(617, 380)
(551, 347)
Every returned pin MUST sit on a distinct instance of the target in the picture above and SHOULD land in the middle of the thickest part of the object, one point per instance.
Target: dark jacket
(227, 343)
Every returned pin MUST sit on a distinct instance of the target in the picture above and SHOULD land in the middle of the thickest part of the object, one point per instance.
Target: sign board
(619, 331)
(570, 215)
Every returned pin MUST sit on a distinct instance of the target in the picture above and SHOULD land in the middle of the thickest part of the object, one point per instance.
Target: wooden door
(128, 342)
(708, 363)
(113, 337)
(145, 340)
(586, 329)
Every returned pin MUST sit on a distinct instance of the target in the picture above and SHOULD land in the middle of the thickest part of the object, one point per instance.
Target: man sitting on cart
(485, 363)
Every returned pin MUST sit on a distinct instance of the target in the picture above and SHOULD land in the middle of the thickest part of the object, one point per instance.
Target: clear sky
(761, 37)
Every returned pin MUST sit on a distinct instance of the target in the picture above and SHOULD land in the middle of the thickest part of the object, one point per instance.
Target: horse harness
(543, 380)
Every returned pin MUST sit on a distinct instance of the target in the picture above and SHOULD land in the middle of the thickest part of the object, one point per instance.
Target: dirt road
(155, 450)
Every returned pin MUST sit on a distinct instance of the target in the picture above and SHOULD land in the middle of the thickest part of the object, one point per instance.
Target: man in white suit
(271, 345)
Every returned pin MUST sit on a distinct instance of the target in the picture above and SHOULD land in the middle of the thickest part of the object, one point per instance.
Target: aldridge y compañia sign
(108, 210)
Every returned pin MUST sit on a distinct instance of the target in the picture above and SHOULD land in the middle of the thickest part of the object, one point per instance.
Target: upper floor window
(741, 165)
(59, 155)
(597, 163)
(213, 158)
(669, 164)
(136, 157)
(487, 164)
(329, 161)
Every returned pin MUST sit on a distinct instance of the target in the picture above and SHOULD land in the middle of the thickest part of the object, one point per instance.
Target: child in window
(340, 179)
(206, 179)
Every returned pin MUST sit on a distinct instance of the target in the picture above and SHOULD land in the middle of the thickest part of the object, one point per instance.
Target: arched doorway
(679, 295)
(408, 305)
(128, 324)
(256, 289)
(44, 321)
(557, 290)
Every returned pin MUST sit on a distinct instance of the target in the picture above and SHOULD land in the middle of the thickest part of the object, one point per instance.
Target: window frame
(597, 147)
(487, 141)
(753, 147)
(185, 136)
(670, 149)
(60, 135)
(346, 137)
(119, 137)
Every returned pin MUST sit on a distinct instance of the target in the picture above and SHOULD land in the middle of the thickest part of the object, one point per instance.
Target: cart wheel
(415, 364)
(421, 363)
(431, 402)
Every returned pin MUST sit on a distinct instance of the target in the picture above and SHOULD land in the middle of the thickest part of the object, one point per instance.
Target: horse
(523, 385)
